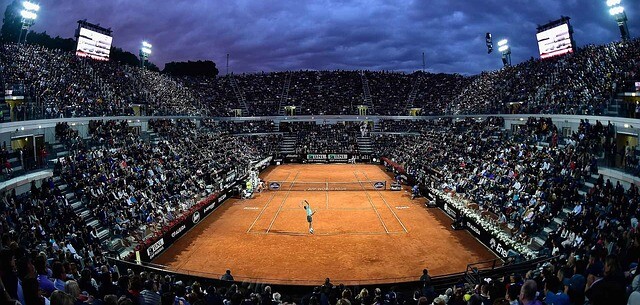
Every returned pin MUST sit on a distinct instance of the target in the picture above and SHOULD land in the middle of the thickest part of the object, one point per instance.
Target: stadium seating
(116, 189)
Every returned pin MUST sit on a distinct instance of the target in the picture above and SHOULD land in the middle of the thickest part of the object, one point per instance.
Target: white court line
(371, 202)
(388, 206)
(265, 207)
(326, 191)
(298, 233)
(283, 201)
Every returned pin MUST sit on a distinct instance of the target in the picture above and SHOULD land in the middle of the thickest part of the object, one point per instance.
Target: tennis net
(328, 186)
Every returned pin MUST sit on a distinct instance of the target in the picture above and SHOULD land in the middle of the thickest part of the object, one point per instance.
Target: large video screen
(93, 44)
(555, 41)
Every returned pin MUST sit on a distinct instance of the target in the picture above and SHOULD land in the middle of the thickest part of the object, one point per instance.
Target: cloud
(275, 35)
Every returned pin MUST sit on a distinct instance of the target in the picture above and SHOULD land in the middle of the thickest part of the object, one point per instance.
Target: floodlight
(616, 10)
(146, 45)
(502, 42)
(611, 3)
(28, 15)
(30, 6)
(145, 50)
(503, 48)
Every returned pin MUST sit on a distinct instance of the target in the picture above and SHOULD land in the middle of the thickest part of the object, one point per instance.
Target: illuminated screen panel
(555, 41)
(93, 44)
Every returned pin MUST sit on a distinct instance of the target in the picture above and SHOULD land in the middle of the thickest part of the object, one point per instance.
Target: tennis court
(362, 234)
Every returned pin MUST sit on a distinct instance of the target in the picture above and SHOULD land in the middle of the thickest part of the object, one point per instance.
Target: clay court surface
(361, 237)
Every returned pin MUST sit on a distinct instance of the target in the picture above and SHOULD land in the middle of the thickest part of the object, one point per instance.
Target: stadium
(123, 184)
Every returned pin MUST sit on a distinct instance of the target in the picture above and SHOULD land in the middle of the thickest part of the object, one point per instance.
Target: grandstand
(118, 174)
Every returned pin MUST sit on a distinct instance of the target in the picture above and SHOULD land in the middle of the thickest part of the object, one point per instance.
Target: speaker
(489, 42)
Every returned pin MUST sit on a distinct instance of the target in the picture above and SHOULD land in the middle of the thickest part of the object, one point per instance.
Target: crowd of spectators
(215, 94)
(263, 91)
(579, 83)
(239, 127)
(513, 179)
(66, 86)
(325, 92)
(325, 138)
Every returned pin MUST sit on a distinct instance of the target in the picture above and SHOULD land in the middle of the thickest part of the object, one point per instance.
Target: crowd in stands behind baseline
(325, 138)
(65, 85)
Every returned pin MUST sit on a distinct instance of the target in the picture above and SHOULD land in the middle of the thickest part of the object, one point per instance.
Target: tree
(43, 39)
(11, 23)
(124, 57)
(152, 67)
(192, 68)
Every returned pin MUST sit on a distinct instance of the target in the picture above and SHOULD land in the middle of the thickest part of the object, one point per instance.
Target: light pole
(504, 49)
(145, 52)
(29, 14)
(617, 11)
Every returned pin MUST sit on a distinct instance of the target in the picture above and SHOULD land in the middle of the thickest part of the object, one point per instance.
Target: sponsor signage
(473, 228)
(484, 236)
(338, 157)
(316, 157)
(379, 185)
(196, 217)
(324, 158)
(179, 230)
(209, 208)
(451, 212)
(274, 185)
(156, 248)
(498, 248)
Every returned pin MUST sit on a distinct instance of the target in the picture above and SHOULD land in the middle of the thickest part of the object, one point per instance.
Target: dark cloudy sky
(275, 35)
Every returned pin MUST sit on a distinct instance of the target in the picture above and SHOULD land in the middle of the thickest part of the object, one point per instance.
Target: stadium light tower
(29, 14)
(617, 11)
(145, 52)
(503, 47)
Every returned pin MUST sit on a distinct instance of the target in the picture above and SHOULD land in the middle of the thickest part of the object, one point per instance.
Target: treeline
(191, 68)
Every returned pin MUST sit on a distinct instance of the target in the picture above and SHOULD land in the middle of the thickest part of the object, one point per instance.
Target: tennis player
(310, 214)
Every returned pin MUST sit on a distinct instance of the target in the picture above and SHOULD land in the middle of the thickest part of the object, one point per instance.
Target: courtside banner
(336, 158)
(292, 158)
(188, 221)
(480, 233)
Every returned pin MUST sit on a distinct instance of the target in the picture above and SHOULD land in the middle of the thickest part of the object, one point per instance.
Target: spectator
(528, 293)
(227, 276)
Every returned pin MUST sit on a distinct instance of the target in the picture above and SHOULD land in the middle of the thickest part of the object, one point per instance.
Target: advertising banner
(480, 233)
(173, 234)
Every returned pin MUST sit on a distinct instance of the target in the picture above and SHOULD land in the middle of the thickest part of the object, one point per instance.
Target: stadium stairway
(16, 164)
(58, 150)
(288, 145)
(114, 244)
(613, 108)
(364, 145)
(240, 96)
(6, 112)
(152, 137)
(80, 209)
(414, 92)
(368, 101)
(537, 240)
(285, 94)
